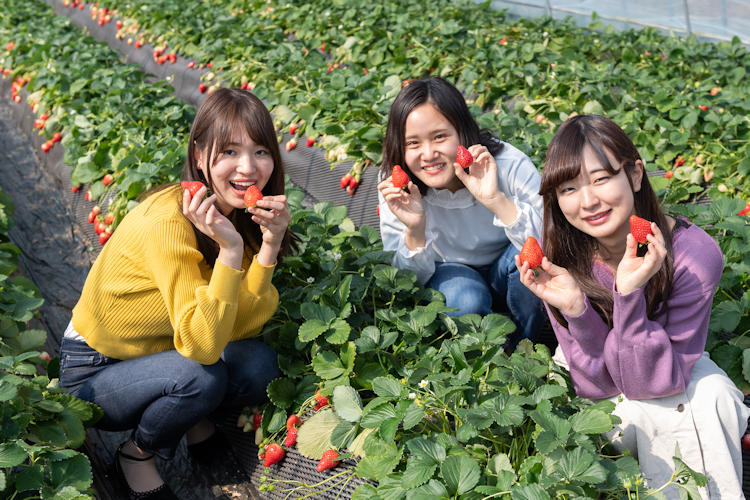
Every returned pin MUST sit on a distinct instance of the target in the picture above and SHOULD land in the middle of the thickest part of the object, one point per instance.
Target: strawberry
(746, 442)
(291, 144)
(310, 141)
(202, 88)
(669, 174)
(191, 65)
(345, 180)
(640, 228)
(291, 437)
(702, 107)
(321, 400)
(274, 454)
(108, 179)
(714, 91)
(96, 210)
(399, 178)
(744, 211)
(679, 161)
(56, 137)
(103, 237)
(44, 356)
(292, 422)
(88, 196)
(463, 157)
(531, 253)
(328, 461)
(138, 44)
(503, 41)
(10, 45)
(75, 189)
(191, 186)
(118, 24)
(109, 219)
(257, 419)
(252, 196)
(293, 128)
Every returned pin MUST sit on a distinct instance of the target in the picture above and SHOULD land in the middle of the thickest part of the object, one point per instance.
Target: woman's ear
(637, 175)
(197, 156)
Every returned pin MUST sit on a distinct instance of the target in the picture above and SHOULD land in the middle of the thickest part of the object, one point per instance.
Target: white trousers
(708, 421)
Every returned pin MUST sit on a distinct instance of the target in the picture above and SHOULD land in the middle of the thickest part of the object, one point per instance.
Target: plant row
(431, 405)
(41, 425)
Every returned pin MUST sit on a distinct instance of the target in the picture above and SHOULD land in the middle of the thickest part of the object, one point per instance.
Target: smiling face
(239, 164)
(431, 143)
(598, 202)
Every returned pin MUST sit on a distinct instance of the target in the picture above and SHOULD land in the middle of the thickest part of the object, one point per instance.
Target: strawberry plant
(41, 424)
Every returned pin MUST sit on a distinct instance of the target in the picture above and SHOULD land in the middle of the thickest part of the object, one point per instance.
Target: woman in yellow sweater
(161, 336)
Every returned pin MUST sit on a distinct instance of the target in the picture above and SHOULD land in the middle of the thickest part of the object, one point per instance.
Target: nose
(588, 198)
(428, 150)
(245, 164)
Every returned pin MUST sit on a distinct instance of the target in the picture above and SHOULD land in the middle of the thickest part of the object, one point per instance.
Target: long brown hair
(449, 101)
(222, 113)
(568, 247)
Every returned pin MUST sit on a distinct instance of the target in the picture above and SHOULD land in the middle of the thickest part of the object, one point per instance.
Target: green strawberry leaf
(314, 435)
(347, 403)
(460, 473)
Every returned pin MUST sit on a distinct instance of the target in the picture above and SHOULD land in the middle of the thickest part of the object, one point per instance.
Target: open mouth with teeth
(433, 168)
(240, 186)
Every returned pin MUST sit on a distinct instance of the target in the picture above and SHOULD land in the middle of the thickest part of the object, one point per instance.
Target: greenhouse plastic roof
(714, 20)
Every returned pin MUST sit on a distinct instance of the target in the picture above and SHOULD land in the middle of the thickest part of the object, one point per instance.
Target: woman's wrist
(231, 256)
(268, 253)
(502, 208)
(415, 237)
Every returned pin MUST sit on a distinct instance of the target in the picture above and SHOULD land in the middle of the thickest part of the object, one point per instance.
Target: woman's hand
(273, 216)
(205, 216)
(554, 285)
(633, 272)
(482, 183)
(408, 207)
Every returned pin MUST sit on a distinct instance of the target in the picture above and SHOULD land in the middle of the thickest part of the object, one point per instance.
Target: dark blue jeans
(472, 289)
(163, 395)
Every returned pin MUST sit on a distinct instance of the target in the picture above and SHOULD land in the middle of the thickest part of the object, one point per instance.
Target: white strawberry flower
(423, 383)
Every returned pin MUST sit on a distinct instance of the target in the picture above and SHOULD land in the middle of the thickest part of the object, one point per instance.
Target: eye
(601, 178)
(262, 152)
(439, 137)
(565, 189)
(228, 152)
(410, 143)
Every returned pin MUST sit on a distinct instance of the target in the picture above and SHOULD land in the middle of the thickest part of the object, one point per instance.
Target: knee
(207, 383)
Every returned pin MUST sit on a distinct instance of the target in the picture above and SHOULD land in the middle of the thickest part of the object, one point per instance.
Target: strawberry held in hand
(328, 461)
(399, 178)
(640, 228)
(252, 196)
(531, 253)
(191, 186)
(463, 157)
(274, 454)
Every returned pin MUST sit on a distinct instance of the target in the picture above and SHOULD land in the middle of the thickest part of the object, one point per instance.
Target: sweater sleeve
(520, 181)
(392, 232)
(201, 312)
(640, 357)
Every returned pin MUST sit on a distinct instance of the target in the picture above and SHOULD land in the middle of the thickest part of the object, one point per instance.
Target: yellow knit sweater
(150, 290)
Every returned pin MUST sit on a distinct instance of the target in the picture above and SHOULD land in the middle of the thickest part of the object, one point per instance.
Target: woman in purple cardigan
(632, 322)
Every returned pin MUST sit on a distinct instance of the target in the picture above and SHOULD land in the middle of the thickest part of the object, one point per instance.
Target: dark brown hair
(568, 247)
(222, 113)
(449, 101)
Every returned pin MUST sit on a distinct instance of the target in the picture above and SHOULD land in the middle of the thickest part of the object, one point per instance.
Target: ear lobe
(197, 156)
(637, 176)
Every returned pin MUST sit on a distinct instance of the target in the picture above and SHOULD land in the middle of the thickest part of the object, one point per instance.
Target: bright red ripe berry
(328, 461)
(293, 128)
(464, 157)
(531, 253)
(679, 161)
(108, 179)
(274, 454)
(252, 196)
(399, 178)
(669, 174)
(310, 141)
(202, 88)
(292, 422)
(345, 180)
(291, 437)
(56, 137)
(746, 442)
(191, 186)
(191, 64)
(640, 228)
(744, 211)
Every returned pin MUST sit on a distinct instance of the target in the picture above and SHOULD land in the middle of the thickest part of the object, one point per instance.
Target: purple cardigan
(639, 357)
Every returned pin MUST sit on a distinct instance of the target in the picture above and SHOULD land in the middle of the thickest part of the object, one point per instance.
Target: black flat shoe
(161, 493)
(208, 450)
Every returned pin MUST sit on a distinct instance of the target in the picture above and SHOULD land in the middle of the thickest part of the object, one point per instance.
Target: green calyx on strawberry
(399, 178)
(531, 253)
(640, 229)
(252, 196)
(328, 461)
(464, 157)
(274, 454)
(191, 186)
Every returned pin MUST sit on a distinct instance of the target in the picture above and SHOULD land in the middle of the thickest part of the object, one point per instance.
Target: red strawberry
(291, 437)
(202, 88)
(293, 128)
(463, 157)
(88, 196)
(191, 186)
(321, 400)
(10, 45)
(56, 137)
(714, 90)
(746, 442)
(292, 422)
(109, 219)
(274, 454)
(291, 144)
(107, 180)
(103, 237)
(46, 146)
(640, 228)
(399, 178)
(531, 253)
(310, 141)
(345, 180)
(252, 196)
(44, 356)
(75, 189)
(744, 211)
(669, 174)
(96, 210)
(702, 107)
(328, 461)
(138, 44)
(257, 419)
(191, 64)
(679, 161)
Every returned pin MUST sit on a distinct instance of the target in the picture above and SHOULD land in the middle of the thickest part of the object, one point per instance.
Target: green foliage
(40, 424)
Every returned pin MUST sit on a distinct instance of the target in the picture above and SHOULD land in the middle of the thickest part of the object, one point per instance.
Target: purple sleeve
(646, 358)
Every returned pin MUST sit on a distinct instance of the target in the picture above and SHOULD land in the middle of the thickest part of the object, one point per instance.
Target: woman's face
(597, 202)
(430, 147)
(241, 164)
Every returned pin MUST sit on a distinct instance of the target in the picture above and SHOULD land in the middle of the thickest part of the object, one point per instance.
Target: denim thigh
(463, 287)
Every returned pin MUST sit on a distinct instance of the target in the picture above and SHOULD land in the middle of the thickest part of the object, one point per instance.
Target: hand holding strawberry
(554, 285)
(633, 271)
(482, 182)
(399, 178)
(640, 229)
(464, 157)
(408, 207)
(191, 186)
(531, 253)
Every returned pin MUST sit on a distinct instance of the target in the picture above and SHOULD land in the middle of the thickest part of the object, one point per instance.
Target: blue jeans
(472, 289)
(163, 395)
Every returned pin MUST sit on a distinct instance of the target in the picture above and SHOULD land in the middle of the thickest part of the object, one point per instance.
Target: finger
(385, 184)
(550, 268)
(631, 247)
(414, 192)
